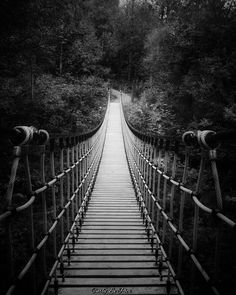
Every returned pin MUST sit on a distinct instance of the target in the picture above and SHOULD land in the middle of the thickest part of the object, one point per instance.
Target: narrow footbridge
(115, 211)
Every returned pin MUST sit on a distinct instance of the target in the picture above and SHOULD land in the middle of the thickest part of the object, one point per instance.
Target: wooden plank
(113, 217)
(118, 258)
(109, 207)
(111, 264)
(109, 204)
(112, 196)
(115, 252)
(111, 193)
(145, 246)
(107, 185)
(147, 290)
(113, 210)
(135, 216)
(122, 212)
(112, 241)
(100, 222)
(122, 192)
(113, 221)
(109, 182)
(113, 236)
(112, 231)
(129, 272)
(101, 213)
(117, 221)
(113, 200)
(112, 206)
(125, 227)
(146, 281)
(129, 213)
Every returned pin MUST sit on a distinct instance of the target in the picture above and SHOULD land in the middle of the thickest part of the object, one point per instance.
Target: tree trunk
(32, 76)
(61, 58)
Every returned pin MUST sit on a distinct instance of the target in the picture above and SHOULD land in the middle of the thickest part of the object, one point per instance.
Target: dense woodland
(176, 58)
(187, 64)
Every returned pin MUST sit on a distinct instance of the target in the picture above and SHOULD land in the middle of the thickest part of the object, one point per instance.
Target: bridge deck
(112, 254)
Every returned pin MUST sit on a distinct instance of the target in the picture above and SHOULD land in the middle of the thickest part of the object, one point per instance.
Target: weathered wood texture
(112, 254)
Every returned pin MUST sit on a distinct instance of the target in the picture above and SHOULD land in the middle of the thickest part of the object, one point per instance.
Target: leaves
(59, 106)
(190, 58)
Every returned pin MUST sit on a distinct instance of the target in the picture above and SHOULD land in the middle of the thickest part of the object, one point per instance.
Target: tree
(132, 24)
(191, 57)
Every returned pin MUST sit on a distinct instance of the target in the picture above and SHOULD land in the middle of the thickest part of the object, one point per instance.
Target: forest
(175, 58)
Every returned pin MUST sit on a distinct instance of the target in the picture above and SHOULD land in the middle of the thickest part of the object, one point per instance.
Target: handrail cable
(79, 157)
(149, 161)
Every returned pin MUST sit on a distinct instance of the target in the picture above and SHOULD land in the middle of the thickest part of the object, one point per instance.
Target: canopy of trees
(178, 56)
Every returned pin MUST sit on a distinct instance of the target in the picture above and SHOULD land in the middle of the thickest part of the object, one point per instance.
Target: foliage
(132, 23)
(52, 64)
(151, 114)
(60, 104)
(191, 59)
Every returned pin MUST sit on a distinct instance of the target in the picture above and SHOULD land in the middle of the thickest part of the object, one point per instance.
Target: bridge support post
(44, 207)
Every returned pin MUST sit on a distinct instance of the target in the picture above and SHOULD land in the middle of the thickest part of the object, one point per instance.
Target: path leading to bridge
(112, 254)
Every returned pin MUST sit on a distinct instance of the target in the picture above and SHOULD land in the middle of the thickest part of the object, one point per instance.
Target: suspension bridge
(107, 214)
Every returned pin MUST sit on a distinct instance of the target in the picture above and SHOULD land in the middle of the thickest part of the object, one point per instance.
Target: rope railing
(59, 175)
(174, 208)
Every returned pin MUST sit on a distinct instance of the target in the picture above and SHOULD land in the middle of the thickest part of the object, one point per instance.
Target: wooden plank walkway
(112, 254)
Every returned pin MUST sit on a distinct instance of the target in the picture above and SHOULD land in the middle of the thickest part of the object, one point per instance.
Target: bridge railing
(42, 218)
(180, 200)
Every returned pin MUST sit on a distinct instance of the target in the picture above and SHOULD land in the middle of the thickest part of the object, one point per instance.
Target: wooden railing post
(8, 227)
(72, 143)
(61, 155)
(68, 182)
(196, 217)
(172, 196)
(31, 218)
(77, 174)
(54, 204)
(44, 206)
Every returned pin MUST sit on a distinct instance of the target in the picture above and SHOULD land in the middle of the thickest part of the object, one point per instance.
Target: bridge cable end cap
(23, 135)
(189, 138)
(43, 136)
(206, 138)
